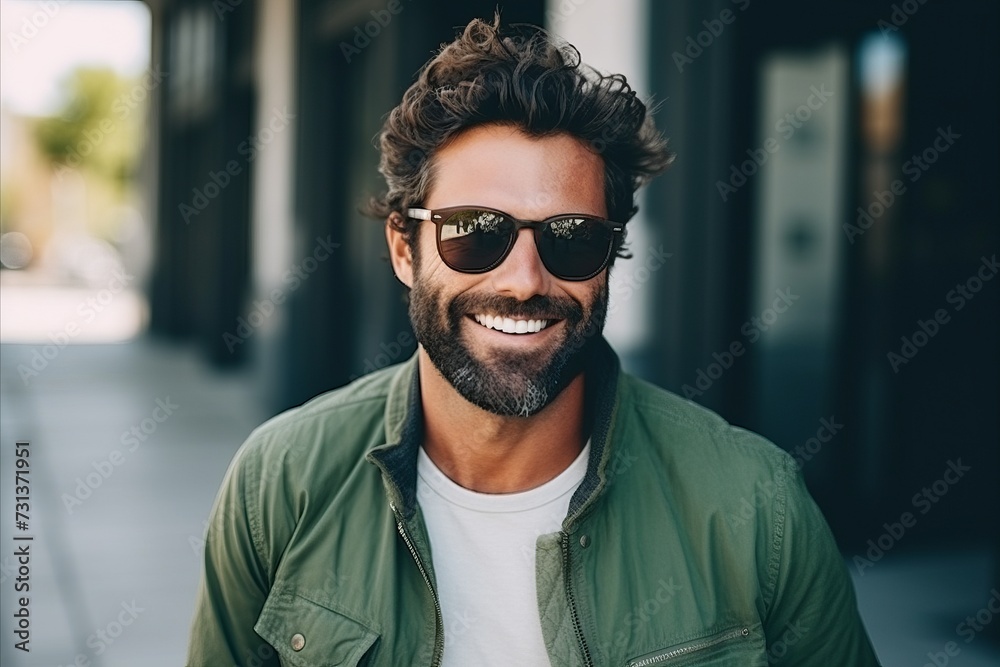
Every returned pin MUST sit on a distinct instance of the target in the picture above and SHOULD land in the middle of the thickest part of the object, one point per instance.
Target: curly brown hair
(518, 75)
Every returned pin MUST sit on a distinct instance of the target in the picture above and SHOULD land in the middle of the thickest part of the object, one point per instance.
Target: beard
(509, 383)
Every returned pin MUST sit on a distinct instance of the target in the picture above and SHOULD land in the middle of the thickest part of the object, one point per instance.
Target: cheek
(590, 293)
(427, 239)
(429, 269)
(426, 261)
(429, 266)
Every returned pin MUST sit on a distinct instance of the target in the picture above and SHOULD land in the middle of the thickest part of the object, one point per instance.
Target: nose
(522, 274)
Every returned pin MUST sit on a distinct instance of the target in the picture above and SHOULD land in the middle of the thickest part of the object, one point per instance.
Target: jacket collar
(404, 432)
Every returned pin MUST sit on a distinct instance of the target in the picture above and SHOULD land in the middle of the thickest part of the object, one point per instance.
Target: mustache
(538, 307)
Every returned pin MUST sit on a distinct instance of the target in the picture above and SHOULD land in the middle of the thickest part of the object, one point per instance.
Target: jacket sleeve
(812, 618)
(235, 581)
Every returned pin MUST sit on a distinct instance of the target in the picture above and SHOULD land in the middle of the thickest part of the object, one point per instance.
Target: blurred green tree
(99, 128)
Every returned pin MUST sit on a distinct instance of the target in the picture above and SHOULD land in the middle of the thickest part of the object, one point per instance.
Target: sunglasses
(475, 239)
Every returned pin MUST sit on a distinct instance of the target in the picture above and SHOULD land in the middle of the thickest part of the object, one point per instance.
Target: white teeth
(510, 325)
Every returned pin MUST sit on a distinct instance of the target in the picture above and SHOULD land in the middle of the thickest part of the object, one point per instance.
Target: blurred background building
(755, 204)
(817, 265)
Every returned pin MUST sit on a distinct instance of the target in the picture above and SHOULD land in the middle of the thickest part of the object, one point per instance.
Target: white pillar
(272, 190)
(611, 36)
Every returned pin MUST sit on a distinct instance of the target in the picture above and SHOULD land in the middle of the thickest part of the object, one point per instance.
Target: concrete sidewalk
(115, 558)
(116, 553)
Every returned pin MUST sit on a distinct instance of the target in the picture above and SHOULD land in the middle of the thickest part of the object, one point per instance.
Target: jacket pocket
(308, 634)
(741, 645)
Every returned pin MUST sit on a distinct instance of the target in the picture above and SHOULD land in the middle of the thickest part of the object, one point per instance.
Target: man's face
(511, 374)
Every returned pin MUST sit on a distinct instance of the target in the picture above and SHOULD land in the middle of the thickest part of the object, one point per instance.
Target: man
(508, 496)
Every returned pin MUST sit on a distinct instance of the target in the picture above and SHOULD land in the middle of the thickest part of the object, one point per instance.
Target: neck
(490, 453)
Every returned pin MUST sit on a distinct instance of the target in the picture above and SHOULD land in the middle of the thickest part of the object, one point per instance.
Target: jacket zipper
(690, 648)
(587, 660)
(438, 617)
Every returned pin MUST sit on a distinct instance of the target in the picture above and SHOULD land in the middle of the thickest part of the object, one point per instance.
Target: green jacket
(689, 542)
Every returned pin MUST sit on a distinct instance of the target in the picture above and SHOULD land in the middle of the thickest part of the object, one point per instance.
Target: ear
(400, 253)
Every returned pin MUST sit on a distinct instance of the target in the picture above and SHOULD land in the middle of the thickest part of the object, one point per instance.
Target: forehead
(530, 177)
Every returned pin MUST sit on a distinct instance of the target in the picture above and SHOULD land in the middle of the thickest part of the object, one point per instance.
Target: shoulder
(289, 467)
(732, 488)
(724, 480)
(703, 462)
(694, 435)
(326, 435)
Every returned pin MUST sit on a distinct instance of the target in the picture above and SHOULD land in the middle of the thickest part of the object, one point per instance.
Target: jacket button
(298, 641)
(585, 541)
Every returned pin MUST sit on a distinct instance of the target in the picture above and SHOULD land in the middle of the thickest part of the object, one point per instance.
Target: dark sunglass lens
(474, 240)
(575, 248)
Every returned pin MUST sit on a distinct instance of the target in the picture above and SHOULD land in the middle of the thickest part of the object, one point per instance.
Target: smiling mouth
(511, 325)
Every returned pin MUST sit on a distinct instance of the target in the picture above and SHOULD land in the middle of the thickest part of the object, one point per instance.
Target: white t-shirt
(484, 560)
